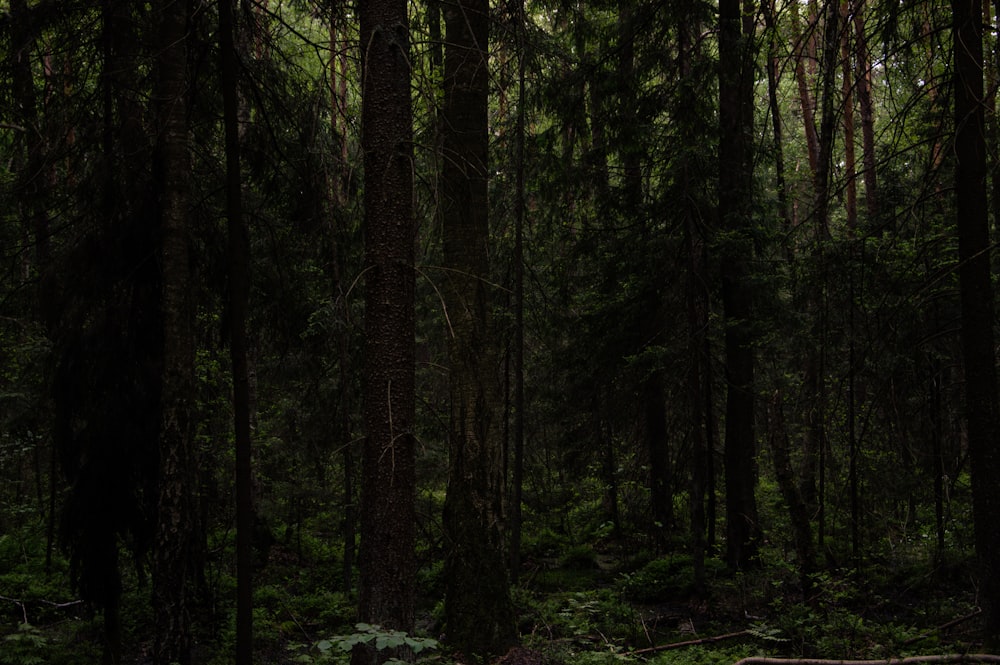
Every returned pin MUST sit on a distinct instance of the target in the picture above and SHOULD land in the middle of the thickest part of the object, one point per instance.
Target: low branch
(23, 604)
(909, 660)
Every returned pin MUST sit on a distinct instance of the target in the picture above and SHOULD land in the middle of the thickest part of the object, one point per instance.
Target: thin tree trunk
(338, 182)
(824, 162)
(519, 220)
(239, 297)
(797, 509)
(29, 186)
(806, 104)
(863, 67)
(697, 293)
(478, 609)
(775, 112)
(847, 91)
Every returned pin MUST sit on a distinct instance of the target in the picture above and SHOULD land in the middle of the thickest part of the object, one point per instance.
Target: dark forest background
(605, 331)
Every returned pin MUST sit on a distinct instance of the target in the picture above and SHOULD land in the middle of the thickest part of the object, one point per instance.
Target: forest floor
(580, 605)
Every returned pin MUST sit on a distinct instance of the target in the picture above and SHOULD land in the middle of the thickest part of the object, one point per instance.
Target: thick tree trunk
(478, 611)
(387, 557)
(177, 511)
(976, 292)
(735, 115)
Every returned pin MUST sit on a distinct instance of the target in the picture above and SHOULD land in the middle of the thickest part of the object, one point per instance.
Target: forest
(524, 332)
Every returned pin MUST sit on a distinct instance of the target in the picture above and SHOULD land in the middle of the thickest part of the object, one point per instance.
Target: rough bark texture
(172, 555)
(387, 559)
(478, 611)
(977, 303)
(736, 248)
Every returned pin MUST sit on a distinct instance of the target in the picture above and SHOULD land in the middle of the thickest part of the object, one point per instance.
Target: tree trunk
(517, 479)
(239, 297)
(824, 162)
(847, 91)
(736, 248)
(773, 69)
(976, 294)
(863, 67)
(388, 487)
(805, 99)
(177, 513)
(797, 509)
(478, 611)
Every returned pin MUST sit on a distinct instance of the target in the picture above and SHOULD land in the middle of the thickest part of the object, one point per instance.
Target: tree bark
(479, 614)
(847, 91)
(736, 248)
(805, 98)
(773, 70)
(863, 67)
(387, 558)
(177, 511)
(517, 476)
(976, 296)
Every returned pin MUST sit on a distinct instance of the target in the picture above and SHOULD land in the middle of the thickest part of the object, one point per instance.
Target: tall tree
(693, 118)
(387, 558)
(976, 293)
(239, 297)
(736, 248)
(478, 610)
(517, 472)
(177, 509)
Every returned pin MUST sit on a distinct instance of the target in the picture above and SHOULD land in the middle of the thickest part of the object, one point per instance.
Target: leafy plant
(25, 647)
(337, 648)
(663, 579)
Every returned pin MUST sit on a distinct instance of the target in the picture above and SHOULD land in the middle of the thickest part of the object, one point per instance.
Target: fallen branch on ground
(944, 626)
(688, 643)
(908, 660)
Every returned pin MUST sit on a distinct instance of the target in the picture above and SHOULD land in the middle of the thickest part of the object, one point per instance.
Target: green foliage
(579, 557)
(337, 649)
(669, 578)
(705, 655)
(581, 617)
(27, 646)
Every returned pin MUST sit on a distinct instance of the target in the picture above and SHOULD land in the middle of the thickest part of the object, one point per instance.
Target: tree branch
(909, 660)
(688, 643)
